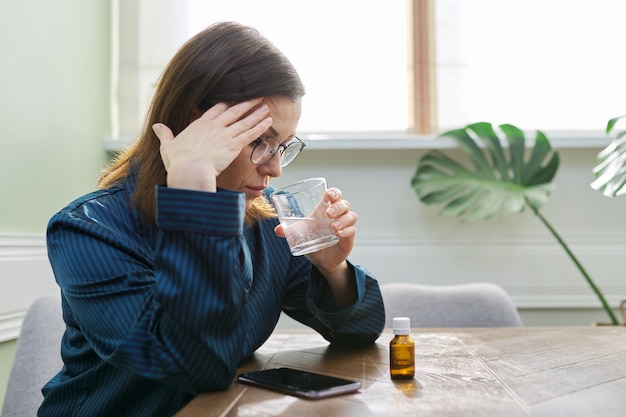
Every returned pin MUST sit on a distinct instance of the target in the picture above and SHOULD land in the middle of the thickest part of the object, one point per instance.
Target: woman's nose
(272, 167)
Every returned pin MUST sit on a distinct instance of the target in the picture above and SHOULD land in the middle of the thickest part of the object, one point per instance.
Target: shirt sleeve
(169, 313)
(309, 300)
(362, 323)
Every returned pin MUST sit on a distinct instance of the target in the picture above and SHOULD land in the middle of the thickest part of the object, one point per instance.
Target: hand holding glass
(301, 209)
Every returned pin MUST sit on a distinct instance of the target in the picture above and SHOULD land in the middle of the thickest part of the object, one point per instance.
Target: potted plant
(499, 177)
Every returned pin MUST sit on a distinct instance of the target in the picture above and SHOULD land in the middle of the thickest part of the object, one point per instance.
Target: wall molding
(534, 270)
(25, 274)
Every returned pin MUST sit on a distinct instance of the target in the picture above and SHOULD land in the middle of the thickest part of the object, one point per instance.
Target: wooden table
(565, 371)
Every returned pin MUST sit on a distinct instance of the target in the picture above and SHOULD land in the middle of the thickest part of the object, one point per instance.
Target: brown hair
(227, 62)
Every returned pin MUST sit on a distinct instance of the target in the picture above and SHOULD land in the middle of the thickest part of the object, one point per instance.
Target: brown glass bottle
(402, 350)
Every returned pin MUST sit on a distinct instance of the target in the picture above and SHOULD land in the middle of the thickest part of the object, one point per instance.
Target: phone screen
(300, 383)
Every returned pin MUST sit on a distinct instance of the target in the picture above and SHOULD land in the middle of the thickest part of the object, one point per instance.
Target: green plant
(611, 169)
(500, 176)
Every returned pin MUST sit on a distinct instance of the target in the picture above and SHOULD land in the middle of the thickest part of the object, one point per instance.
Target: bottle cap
(401, 325)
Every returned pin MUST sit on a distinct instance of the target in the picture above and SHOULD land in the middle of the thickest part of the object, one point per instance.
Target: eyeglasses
(265, 149)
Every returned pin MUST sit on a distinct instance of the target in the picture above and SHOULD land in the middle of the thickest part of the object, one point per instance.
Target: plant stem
(582, 270)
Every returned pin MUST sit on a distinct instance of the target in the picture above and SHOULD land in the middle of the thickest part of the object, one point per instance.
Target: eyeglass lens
(266, 148)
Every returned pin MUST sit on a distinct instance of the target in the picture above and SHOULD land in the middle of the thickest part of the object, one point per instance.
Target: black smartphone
(304, 384)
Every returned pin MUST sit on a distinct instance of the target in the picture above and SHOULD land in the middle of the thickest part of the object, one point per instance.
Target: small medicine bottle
(402, 350)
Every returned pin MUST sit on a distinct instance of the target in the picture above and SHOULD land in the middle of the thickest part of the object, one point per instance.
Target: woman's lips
(256, 191)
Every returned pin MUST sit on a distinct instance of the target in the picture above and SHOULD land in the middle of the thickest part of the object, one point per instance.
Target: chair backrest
(466, 305)
(37, 357)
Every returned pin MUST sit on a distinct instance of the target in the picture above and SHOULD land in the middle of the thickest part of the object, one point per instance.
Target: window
(540, 64)
(555, 65)
(351, 55)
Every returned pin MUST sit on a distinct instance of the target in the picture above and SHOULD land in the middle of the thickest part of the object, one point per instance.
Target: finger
(346, 232)
(250, 122)
(231, 114)
(254, 132)
(333, 194)
(162, 132)
(214, 111)
(347, 220)
(279, 230)
(338, 209)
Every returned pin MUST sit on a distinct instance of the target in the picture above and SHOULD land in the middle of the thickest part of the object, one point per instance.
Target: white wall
(54, 112)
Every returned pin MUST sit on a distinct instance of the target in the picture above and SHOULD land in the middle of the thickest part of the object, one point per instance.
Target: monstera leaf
(610, 172)
(496, 178)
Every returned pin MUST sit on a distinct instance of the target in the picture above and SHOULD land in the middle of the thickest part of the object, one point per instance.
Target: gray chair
(466, 305)
(37, 357)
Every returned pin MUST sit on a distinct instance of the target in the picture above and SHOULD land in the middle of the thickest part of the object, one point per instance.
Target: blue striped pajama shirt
(158, 313)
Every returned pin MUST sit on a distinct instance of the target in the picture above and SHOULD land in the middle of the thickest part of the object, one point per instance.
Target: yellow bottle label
(402, 357)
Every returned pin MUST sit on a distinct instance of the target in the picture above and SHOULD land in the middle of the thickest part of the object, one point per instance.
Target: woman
(175, 270)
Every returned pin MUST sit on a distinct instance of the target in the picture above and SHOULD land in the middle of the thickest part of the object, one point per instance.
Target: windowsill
(403, 141)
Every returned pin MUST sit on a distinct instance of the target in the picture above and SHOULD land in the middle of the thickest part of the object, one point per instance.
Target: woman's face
(244, 177)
